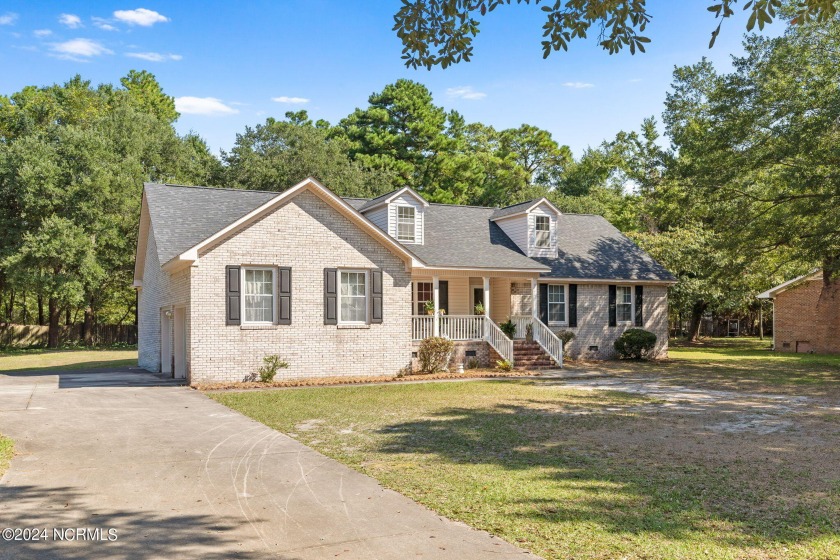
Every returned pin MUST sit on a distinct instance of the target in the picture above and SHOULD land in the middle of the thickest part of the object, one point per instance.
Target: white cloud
(79, 49)
(578, 85)
(203, 106)
(8, 18)
(70, 20)
(635, 80)
(153, 56)
(293, 100)
(42, 32)
(103, 24)
(465, 92)
(140, 16)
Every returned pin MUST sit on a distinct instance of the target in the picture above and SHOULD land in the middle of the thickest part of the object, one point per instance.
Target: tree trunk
(87, 326)
(68, 319)
(697, 311)
(40, 309)
(24, 308)
(55, 315)
(11, 309)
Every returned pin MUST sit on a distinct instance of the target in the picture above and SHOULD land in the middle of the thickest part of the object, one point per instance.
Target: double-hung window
(353, 297)
(624, 304)
(424, 294)
(405, 224)
(542, 225)
(556, 303)
(258, 303)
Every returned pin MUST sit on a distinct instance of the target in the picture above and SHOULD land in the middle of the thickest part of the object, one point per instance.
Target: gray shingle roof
(183, 216)
(455, 236)
(592, 248)
(377, 200)
(465, 236)
(513, 209)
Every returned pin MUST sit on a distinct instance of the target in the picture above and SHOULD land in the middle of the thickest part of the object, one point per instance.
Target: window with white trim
(352, 295)
(624, 304)
(542, 225)
(258, 303)
(424, 294)
(405, 224)
(556, 303)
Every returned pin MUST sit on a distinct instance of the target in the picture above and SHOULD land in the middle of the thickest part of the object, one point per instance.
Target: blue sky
(232, 64)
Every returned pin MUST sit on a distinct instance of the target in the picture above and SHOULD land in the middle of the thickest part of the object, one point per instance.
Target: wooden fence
(25, 336)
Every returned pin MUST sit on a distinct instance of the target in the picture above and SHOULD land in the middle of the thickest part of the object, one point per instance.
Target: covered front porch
(469, 306)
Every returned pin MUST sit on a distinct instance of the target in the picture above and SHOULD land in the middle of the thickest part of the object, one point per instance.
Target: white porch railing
(521, 322)
(499, 341)
(549, 342)
(464, 327)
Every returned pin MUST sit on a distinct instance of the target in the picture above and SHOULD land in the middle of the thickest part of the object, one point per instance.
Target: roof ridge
(209, 188)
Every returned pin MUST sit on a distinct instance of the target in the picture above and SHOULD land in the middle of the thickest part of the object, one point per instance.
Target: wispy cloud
(203, 106)
(79, 49)
(140, 16)
(8, 18)
(293, 100)
(153, 56)
(103, 24)
(578, 85)
(42, 32)
(465, 92)
(635, 80)
(70, 20)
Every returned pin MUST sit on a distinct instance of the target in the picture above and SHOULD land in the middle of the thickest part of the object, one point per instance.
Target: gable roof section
(522, 208)
(591, 248)
(776, 290)
(199, 216)
(464, 237)
(388, 197)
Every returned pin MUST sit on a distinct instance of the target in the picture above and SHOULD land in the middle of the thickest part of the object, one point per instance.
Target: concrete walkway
(177, 475)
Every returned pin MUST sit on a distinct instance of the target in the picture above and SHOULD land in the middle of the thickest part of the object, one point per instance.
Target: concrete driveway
(176, 475)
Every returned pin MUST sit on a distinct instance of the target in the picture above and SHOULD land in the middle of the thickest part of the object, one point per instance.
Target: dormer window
(406, 224)
(542, 225)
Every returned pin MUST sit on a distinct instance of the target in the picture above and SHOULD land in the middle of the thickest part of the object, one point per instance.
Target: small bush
(472, 363)
(504, 365)
(635, 344)
(434, 354)
(270, 366)
(509, 328)
(566, 337)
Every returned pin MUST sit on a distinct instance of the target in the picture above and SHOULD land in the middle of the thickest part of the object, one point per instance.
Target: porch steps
(529, 355)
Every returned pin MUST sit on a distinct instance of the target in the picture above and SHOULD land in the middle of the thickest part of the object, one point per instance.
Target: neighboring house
(806, 315)
(339, 286)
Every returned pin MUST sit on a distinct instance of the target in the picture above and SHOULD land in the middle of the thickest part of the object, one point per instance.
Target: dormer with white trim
(531, 225)
(399, 213)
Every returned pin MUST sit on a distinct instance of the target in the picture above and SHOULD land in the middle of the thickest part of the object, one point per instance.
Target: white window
(556, 303)
(624, 304)
(405, 224)
(542, 224)
(353, 297)
(258, 303)
(424, 294)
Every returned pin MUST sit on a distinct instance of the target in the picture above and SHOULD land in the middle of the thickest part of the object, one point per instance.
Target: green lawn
(7, 449)
(42, 359)
(587, 474)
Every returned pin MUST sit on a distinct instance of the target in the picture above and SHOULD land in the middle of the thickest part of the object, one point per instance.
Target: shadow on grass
(140, 534)
(595, 469)
(78, 367)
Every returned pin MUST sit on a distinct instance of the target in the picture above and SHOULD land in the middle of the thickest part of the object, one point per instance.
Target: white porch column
(535, 296)
(486, 306)
(436, 320)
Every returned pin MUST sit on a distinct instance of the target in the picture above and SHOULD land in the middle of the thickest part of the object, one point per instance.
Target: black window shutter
(330, 296)
(284, 295)
(613, 321)
(572, 305)
(443, 295)
(640, 320)
(233, 293)
(376, 295)
(544, 303)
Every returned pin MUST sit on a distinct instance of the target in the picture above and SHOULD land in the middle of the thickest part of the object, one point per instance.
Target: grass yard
(572, 473)
(39, 359)
(7, 449)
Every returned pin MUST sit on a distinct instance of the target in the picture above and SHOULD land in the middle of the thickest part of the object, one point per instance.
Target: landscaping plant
(509, 328)
(271, 364)
(635, 344)
(434, 354)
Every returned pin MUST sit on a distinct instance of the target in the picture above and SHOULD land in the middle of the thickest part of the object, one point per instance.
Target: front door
(478, 297)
